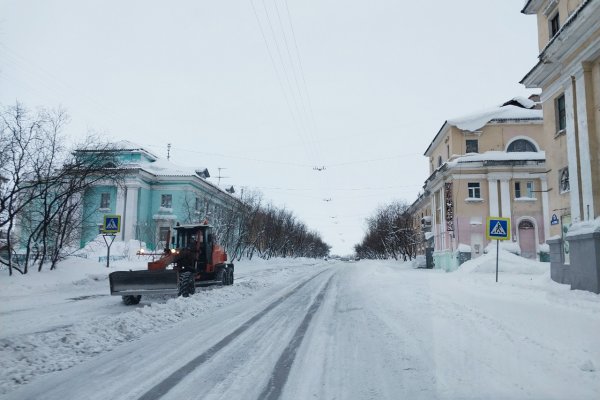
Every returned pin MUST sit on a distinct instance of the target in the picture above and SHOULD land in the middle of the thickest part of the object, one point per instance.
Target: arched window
(526, 224)
(521, 145)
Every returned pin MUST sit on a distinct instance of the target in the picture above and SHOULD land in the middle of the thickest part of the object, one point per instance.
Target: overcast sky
(271, 89)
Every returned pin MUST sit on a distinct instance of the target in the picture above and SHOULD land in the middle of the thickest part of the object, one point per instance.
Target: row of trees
(390, 234)
(41, 185)
(254, 228)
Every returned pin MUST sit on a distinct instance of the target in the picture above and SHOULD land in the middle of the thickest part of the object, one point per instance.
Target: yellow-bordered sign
(112, 224)
(497, 228)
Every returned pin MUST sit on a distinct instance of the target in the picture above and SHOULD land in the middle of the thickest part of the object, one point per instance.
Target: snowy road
(363, 330)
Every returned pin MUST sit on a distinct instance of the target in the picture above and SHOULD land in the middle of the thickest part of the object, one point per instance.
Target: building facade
(490, 163)
(568, 72)
(155, 195)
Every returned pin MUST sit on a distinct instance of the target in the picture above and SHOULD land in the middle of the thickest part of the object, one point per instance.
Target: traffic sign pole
(497, 228)
(497, 253)
(112, 236)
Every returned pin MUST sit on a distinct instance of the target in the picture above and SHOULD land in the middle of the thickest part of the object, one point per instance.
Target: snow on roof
(516, 109)
(162, 167)
(499, 156)
(476, 121)
(584, 227)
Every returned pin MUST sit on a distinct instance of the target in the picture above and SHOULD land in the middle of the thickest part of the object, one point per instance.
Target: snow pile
(463, 248)
(507, 263)
(511, 247)
(97, 248)
(584, 227)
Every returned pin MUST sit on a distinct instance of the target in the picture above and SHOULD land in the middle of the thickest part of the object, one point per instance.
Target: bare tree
(43, 182)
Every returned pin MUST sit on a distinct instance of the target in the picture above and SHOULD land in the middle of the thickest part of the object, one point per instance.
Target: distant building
(490, 163)
(156, 195)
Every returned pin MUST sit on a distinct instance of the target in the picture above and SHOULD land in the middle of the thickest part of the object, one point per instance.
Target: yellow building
(491, 163)
(568, 72)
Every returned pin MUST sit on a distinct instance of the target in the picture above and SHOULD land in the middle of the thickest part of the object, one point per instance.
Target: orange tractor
(196, 261)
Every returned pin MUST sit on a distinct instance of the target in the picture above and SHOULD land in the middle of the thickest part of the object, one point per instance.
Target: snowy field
(300, 329)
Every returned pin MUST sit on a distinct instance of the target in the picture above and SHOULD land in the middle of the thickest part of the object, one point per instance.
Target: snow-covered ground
(303, 329)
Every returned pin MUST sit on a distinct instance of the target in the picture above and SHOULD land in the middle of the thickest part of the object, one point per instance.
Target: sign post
(497, 229)
(110, 228)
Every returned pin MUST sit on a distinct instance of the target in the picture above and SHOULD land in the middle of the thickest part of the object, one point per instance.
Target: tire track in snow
(283, 366)
(172, 380)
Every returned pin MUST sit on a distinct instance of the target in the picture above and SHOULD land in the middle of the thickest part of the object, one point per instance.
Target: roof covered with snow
(510, 111)
(162, 167)
(121, 145)
(516, 109)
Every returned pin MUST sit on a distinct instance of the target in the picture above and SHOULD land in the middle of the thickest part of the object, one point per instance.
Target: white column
(505, 198)
(434, 222)
(545, 209)
(120, 208)
(572, 153)
(587, 189)
(128, 225)
(493, 200)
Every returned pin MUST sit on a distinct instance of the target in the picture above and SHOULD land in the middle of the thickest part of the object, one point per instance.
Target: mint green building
(156, 195)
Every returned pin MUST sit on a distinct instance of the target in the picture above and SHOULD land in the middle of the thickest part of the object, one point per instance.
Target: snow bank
(463, 248)
(585, 227)
(511, 247)
(507, 263)
(97, 248)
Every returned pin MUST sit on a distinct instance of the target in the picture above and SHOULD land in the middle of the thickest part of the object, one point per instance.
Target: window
(563, 175)
(474, 190)
(448, 150)
(439, 161)
(561, 115)
(472, 146)
(164, 234)
(554, 25)
(166, 201)
(105, 200)
(521, 145)
(517, 190)
(530, 189)
(198, 206)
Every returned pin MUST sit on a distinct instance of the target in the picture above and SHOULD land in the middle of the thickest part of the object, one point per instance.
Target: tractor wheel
(131, 300)
(231, 277)
(224, 276)
(185, 283)
(192, 285)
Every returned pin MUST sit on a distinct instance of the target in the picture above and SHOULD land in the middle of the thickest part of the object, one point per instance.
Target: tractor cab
(194, 243)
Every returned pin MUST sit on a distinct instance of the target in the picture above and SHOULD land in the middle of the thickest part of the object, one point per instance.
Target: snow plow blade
(125, 283)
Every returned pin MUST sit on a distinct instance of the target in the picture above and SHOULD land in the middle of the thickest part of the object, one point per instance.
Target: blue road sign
(112, 224)
(498, 228)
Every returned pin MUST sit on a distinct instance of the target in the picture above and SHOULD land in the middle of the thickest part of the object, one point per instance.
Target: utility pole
(168, 151)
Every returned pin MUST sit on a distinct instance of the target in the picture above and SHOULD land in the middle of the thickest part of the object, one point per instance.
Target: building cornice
(581, 27)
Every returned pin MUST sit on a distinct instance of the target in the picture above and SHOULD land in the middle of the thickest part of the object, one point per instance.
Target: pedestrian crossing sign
(498, 228)
(112, 224)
